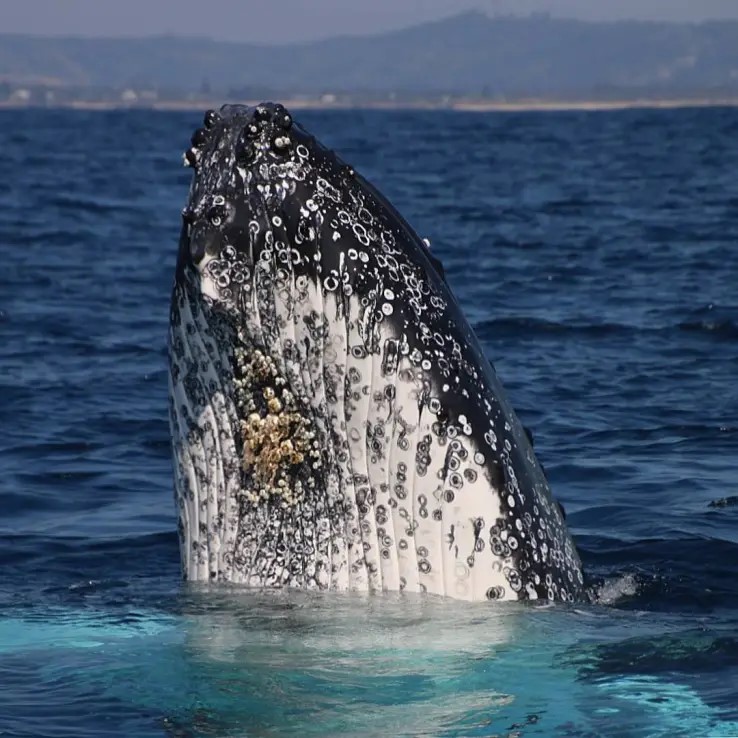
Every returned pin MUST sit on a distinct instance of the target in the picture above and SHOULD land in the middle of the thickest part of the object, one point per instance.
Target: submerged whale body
(335, 423)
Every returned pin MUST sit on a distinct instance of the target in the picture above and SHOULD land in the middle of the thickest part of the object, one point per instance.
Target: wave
(514, 326)
(713, 320)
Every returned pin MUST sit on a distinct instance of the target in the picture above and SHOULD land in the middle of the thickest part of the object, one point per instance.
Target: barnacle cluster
(280, 450)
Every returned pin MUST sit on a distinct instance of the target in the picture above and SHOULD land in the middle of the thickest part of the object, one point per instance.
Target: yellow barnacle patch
(279, 448)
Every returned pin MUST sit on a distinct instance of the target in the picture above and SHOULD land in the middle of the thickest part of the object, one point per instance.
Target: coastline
(477, 106)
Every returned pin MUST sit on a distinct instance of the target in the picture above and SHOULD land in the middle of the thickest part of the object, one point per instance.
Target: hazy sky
(290, 20)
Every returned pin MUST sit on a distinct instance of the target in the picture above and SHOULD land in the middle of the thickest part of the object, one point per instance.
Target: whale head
(335, 422)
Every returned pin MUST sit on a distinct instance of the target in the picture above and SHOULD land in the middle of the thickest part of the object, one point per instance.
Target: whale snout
(241, 136)
(249, 163)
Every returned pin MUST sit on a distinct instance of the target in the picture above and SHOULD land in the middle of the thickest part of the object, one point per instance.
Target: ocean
(596, 256)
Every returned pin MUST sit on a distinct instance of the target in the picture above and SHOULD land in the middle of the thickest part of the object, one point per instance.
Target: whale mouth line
(335, 423)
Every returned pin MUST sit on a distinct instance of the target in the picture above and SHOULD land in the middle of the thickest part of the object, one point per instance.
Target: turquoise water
(595, 255)
(238, 664)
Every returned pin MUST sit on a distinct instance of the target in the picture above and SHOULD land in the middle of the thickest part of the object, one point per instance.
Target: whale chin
(335, 424)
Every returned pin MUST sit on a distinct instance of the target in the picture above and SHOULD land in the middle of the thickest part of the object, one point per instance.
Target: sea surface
(596, 255)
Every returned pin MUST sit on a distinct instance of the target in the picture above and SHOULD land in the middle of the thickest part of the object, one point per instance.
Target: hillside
(468, 54)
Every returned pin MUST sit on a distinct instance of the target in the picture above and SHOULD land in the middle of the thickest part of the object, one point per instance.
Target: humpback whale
(335, 423)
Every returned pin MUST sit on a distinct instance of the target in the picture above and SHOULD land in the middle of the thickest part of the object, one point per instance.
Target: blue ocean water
(596, 255)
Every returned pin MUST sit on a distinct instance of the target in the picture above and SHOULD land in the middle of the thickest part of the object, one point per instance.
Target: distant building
(21, 96)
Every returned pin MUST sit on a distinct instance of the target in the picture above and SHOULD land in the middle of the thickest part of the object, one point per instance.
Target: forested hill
(468, 54)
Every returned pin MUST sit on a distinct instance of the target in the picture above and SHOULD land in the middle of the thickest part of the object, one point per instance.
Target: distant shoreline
(478, 106)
